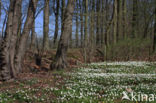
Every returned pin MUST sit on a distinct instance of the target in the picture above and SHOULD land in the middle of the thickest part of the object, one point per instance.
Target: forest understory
(38, 84)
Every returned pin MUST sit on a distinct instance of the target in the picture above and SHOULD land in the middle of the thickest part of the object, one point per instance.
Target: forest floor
(92, 83)
(88, 83)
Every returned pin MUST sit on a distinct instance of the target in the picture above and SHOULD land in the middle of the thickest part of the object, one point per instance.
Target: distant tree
(134, 19)
(119, 20)
(56, 12)
(98, 22)
(82, 22)
(124, 13)
(46, 26)
(63, 7)
(115, 22)
(77, 25)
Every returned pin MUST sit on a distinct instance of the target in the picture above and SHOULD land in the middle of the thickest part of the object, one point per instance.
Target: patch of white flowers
(129, 63)
(107, 84)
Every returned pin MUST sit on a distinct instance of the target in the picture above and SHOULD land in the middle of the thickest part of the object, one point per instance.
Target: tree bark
(115, 22)
(77, 27)
(62, 14)
(81, 18)
(124, 6)
(98, 22)
(33, 36)
(154, 37)
(56, 22)
(61, 58)
(14, 37)
(5, 70)
(119, 20)
(134, 19)
(46, 26)
(86, 24)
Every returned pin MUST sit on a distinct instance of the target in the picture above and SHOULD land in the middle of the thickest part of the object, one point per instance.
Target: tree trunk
(33, 36)
(56, 22)
(25, 34)
(115, 22)
(62, 14)
(5, 68)
(134, 19)
(86, 24)
(124, 6)
(154, 37)
(119, 21)
(46, 26)
(81, 18)
(92, 24)
(77, 27)
(60, 58)
(14, 37)
(98, 22)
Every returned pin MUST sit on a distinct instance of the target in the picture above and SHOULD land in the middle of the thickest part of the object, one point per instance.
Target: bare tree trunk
(62, 14)
(134, 19)
(13, 41)
(77, 27)
(98, 22)
(119, 20)
(5, 70)
(33, 36)
(115, 22)
(56, 21)
(92, 24)
(25, 34)
(46, 26)
(86, 31)
(124, 6)
(61, 58)
(154, 37)
(81, 18)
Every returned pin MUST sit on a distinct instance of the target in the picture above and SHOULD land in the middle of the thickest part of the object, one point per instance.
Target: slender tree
(62, 13)
(124, 15)
(33, 36)
(46, 26)
(77, 26)
(56, 21)
(86, 24)
(82, 22)
(98, 22)
(119, 20)
(134, 18)
(115, 22)
(154, 38)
